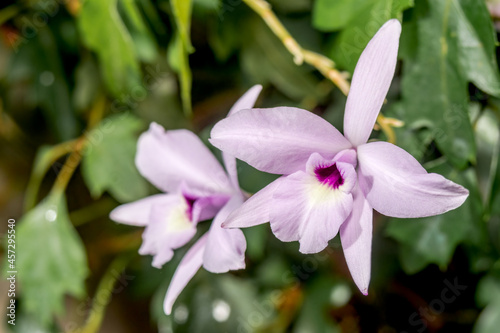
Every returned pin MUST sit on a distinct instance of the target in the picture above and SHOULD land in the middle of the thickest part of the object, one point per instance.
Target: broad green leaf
(367, 18)
(104, 32)
(51, 261)
(108, 161)
(331, 15)
(476, 38)
(434, 239)
(429, 240)
(434, 86)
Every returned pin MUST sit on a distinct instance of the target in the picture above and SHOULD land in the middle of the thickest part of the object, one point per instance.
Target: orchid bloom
(331, 183)
(197, 188)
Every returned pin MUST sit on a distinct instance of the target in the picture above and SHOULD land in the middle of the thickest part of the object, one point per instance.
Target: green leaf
(448, 44)
(434, 86)
(108, 161)
(477, 39)
(104, 32)
(366, 17)
(334, 15)
(429, 240)
(51, 259)
(434, 239)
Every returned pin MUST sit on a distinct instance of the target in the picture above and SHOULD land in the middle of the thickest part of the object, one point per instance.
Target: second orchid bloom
(196, 188)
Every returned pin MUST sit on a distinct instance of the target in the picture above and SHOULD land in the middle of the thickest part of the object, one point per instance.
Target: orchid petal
(169, 158)
(308, 211)
(255, 210)
(231, 168)
(395, 184)
(278, 140)
(246, 101)
(356, 238)
(225, 248)
(169, 228)
(187, 268)
(137, 213)
(370, 82)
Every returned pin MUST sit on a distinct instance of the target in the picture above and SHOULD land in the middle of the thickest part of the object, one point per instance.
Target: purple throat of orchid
(190, 203)
(329, 175)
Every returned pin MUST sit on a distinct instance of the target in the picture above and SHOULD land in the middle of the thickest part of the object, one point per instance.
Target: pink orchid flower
(197, 188)
(332, 183)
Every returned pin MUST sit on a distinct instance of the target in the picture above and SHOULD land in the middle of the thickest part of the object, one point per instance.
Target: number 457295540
(11, 242)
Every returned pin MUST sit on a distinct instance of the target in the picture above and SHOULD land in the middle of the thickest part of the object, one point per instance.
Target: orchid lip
(190, 203)
(329, 175)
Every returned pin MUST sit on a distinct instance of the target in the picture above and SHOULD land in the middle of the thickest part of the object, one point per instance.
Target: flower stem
(103, 294)
(45, 158)
(300, 55)
(69, 167)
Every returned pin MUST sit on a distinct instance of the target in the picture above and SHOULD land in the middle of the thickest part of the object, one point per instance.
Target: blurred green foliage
(52, 262)
(107, 163)
(101, 70)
